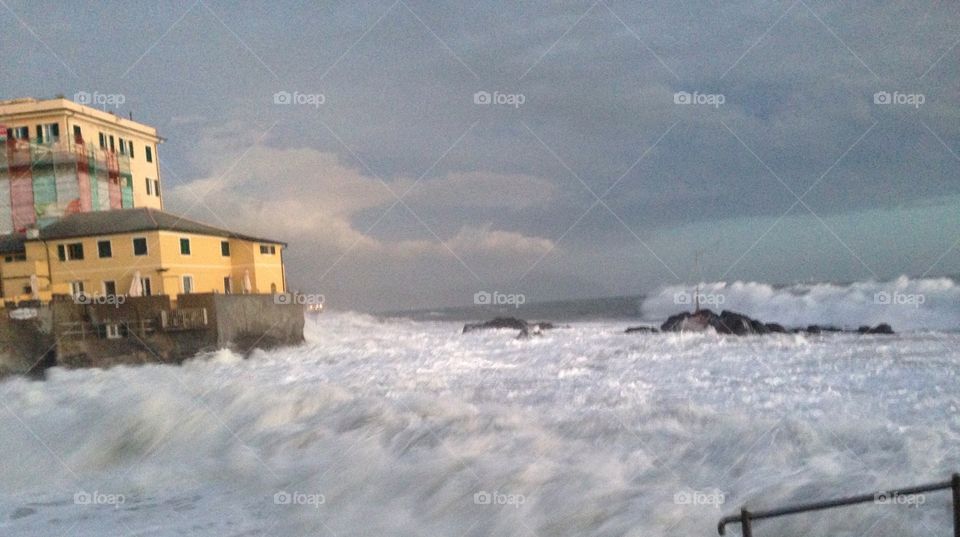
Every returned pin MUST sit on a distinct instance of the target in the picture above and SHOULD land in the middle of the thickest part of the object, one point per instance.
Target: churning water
(403, 428)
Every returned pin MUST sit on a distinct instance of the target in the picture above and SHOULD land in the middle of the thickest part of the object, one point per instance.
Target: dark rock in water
(817, 329)
(728, 322)
(731, 322)
(499, 322)
(882, 328)
(686, 321)
(641, 330)
(511, 323)
(775, 328)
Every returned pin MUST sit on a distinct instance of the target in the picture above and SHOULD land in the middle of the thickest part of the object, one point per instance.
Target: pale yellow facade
(100, 131)
(162, 265)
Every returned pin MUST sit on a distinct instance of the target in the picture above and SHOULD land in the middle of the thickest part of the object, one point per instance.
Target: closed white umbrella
(247, 287)
(136, 286)
(34, 287)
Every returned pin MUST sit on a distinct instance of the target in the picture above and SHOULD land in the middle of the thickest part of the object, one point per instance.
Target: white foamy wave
(393, 427)
(904, 303)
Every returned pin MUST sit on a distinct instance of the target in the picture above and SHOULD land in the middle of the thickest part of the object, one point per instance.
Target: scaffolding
(42, 180)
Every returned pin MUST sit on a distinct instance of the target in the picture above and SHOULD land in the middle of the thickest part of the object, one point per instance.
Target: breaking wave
(402, 428)
(904, 303)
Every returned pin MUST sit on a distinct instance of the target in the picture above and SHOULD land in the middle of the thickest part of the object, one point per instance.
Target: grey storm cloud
(401, 190)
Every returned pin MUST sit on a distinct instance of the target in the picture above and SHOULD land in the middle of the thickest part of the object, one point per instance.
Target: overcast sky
(583, 177)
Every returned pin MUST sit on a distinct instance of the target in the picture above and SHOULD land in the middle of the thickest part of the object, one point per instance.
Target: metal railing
(746, 517)
(184, 319)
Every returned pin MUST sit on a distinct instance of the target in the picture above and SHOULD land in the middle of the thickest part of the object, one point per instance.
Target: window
(76, 288)
(112, 331)
(109, 288)
(69, 252)
(104, 249)
(225, 248)
(149, 151)
(156, 187)
(227, 288)
(268, 249)
(103, 141)
(113, 146)
(123, 146)
(20, 133)
(75, 250)
(147, 289)
(77, 134)
(149, 184)
(140, 246)
(185, 246)
(15, 257)
(48, 133)
(130, 148)
(187, 284)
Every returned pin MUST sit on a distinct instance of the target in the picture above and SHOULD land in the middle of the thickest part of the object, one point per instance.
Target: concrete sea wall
(142, 330)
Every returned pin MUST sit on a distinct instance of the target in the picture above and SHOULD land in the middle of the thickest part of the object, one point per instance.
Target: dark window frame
(146, 248)
(100, 249)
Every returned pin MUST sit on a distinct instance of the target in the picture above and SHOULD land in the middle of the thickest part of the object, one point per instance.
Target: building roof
(11, 243)
(113, 222)
(14, 109)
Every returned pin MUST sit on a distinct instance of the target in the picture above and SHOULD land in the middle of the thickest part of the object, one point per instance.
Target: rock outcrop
(641, 330)
(730, 322)
(511, 323)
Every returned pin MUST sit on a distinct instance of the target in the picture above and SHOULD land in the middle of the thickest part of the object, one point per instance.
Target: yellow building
(59, 157)
(102, 254)
(81, 214)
